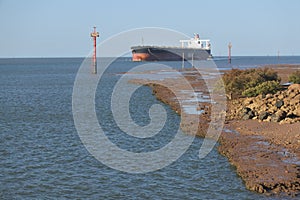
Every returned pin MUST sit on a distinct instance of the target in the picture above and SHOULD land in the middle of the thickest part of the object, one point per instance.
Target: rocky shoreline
(266, 153)
(282, 107)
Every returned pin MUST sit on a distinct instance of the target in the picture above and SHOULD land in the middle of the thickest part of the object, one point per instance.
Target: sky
(61, 28)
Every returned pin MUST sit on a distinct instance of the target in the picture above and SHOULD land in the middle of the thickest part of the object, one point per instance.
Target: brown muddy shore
(266, 154)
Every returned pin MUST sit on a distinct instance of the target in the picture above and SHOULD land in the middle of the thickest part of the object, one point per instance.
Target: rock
(295, 100)
(297, 97)
(274, 118)
(260, 189)
(281, 96)
(287, 121)
(278, 116)
(294, 88)
(246, 116)
(246, 110)
(296, 112)
(263, 115)
(262, 96)
(269, 101)
(256, 104)
(284, 107)
(269, 96)
(290, 114)
(292, 94)
(262, 107)
(251, 114)
(247, 113)
(272, 109)
(248, 101)
(269, 119)
(279, 103)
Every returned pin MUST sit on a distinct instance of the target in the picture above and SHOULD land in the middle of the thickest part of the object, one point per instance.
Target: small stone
(268, 119)
(280, 96)
(279, 103)
(260, 189)
(272, 109)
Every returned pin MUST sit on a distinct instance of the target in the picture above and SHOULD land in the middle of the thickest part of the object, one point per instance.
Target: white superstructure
(196, 43)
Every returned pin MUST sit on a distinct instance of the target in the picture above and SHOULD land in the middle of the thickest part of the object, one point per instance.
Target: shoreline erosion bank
(265, 154)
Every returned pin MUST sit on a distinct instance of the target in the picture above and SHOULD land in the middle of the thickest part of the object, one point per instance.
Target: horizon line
(41, 57)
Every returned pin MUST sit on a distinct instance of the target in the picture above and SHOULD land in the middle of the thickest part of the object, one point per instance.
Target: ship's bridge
(196, 43)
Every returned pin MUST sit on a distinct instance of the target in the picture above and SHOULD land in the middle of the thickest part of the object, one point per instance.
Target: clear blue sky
(61, 28)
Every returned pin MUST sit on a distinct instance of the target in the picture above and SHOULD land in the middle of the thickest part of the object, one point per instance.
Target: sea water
(42, 156)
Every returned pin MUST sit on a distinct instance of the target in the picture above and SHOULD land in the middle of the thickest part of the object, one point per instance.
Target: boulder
(294, 88)
(245, 110)
(263, 107)
(278, 116)
(295, 100)
(296, 111)
(247, 113)
(246, 116)
(297, 97)
(263, 115)
(272, 109)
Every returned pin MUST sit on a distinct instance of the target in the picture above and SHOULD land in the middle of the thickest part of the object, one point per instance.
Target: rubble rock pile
(282, 107)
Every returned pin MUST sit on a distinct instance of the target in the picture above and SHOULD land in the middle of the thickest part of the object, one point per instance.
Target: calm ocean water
(42, 156)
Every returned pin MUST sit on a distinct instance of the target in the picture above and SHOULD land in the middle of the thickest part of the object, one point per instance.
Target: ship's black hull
(155, 53)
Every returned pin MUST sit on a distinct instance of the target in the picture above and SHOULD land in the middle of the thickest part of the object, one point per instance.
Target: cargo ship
(192, 49)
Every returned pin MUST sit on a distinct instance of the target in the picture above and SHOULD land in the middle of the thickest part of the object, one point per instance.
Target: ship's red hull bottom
(140, 56)
(175, 54)
(157, 57)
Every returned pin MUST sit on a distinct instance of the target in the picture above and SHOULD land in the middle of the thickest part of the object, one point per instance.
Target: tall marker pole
(229, 52)
(94, 35)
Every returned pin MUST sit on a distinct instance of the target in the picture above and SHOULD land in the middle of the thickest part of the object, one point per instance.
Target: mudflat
(266, 154)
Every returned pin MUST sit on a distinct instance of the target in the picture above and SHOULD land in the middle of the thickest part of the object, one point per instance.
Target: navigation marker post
(229, 52)
(94, 35)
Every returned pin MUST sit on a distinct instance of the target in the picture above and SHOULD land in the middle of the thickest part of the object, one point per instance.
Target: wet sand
(266, 154)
